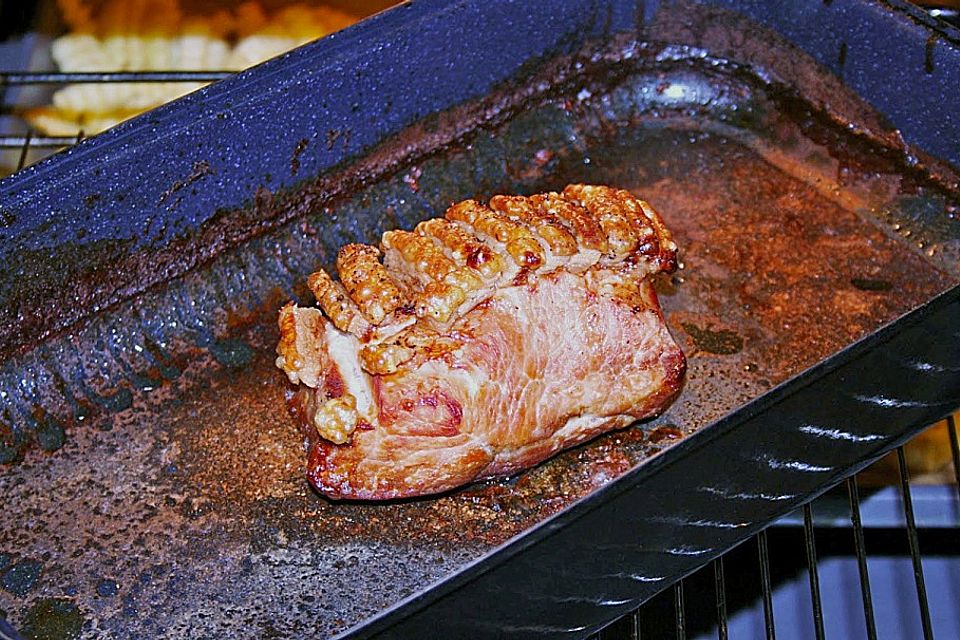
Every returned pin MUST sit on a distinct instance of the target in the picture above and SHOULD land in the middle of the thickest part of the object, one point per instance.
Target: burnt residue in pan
(176, 501)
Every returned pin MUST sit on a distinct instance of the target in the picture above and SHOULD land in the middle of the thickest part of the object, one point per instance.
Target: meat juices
(485, 342)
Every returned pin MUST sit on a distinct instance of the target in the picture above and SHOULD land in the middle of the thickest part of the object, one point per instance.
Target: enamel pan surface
(152, 481)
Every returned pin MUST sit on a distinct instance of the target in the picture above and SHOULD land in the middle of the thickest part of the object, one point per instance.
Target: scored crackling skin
(518, 208)
(463, 246)
(588, 232)
(519, 241)
(484, 342)
(367, 282)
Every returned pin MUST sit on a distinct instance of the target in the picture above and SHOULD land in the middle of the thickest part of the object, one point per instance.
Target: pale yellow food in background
(928, 457)
(158, 35)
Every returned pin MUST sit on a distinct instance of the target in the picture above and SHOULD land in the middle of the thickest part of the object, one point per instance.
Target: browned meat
(484, 343)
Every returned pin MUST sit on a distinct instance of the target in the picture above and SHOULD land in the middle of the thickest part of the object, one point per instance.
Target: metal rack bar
(24, 148)
(914, 546)
(764, 558)
(719, 581)
(954, 450)
(854, 494)
(679, 609)
(37, 142)
(811, 548)
(12, 78)
(31, 140)
(632, 630)
(624, 628)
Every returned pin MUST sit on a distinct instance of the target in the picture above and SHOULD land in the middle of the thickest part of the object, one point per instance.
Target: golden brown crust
(442, 269)
(424, 256)
(605, 205)
(585, 227)
(520, 242)
(333, 299)
(439, 300)
(367, 281)
(420, 253)
(383, 359)
(667, 255)
(337, 419)
(465, 248)
(652, 238)
(447, 283)
(288, 357)
(548, 226)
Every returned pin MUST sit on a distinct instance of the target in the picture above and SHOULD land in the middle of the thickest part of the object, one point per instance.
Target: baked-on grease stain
(868, 284)
(52, 619)
(928, 65)
(166, 364)
(200, 169)
(295, 159)
(723, 342)
(115, 400)
(12, 441)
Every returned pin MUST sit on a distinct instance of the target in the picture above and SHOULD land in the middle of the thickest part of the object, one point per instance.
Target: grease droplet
(52, 619)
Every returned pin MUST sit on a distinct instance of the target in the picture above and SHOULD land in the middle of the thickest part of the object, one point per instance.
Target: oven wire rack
(668, 615)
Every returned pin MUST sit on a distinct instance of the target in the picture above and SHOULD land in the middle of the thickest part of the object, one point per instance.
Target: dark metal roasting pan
(803, 152)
